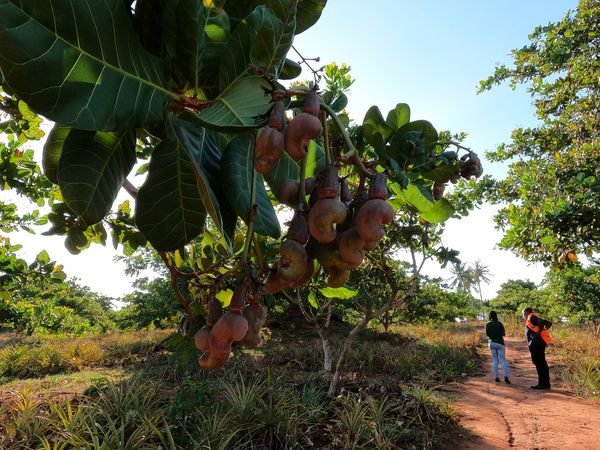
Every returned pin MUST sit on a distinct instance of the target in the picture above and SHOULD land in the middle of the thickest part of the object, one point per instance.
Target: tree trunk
(341, 362)
(326, 354)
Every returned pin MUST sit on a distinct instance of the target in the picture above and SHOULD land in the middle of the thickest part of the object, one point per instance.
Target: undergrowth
(270, 397)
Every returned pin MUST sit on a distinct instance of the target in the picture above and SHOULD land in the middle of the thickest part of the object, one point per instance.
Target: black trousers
(538, 357)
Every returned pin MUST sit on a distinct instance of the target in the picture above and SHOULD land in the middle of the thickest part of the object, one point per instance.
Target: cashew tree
(197, 94)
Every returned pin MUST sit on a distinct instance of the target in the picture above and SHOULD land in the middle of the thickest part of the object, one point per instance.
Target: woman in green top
(494, 330)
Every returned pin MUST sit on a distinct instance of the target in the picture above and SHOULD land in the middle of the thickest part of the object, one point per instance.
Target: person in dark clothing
(537, 340)
(494, 330)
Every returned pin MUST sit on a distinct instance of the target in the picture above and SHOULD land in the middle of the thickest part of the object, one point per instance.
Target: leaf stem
(352, 154)
(251, 215)
(301, 186)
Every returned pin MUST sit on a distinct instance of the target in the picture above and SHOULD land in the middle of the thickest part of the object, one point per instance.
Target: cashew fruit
(268, 150)
(371, 217)
(323, 215)
(329, 184)
(277, 119)
(378, 187)
(298, 229)
(337, 278)
(209, 363)
(292, 260)
(299, 133)
(201, 338)
(312, 103)
(255, 315)
(351, 247)
(437, 190)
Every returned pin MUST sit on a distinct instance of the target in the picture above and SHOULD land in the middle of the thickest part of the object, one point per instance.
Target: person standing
(494, 330)
(537, 340)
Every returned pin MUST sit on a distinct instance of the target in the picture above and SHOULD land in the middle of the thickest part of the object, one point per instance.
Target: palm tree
(462, 278)
(479, 274)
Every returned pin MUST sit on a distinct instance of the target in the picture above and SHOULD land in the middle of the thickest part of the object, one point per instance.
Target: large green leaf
(262, 40)
(168, 209)
(308, 14)
(201, 146)
(92, 168)
(80, 63)
(374, 123)
(398, 116)
(52, 150)
(241, 106)
(429, 132)
(236, 175)
(442, 210)
(191, 16)
(149, 20)
(417, 196)
(290, 70)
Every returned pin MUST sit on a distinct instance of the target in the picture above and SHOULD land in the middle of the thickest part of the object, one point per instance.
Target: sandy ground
(502, 416)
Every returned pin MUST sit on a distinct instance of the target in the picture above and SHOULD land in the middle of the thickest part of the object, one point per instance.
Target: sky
(430, 54)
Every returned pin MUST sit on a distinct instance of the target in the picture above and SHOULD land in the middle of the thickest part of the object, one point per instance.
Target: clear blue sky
(430, 54)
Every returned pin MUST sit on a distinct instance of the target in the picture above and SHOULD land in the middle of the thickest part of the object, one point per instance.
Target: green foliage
(552, 189)
(577, 290)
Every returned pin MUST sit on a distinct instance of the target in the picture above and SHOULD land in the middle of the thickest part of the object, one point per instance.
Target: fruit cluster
(241, 323)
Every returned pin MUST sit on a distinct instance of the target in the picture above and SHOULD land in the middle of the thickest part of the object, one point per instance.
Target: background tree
(552, 190)
(479, 274)
(577, 290)
(462, 278)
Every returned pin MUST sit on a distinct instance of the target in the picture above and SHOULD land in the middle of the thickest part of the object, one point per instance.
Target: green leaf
(90, 69)
(241, 106)
(308, 14)
(342, 293)
(312, 300)
(429, 132)
(202, 149)
(286, 169)
(236, 174)
(315, 159)
(52, 151)
(374, 123)
(92, 168)
(442, 210)
(290, 70)
(168, 209)
(224, 296)
(150, 23)
(417, 196)
(262, 39)
(442, 173)
(407, 148)
(275, 37)
(398, 116)
(191, 16)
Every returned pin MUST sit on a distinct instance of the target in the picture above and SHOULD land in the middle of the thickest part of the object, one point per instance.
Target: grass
(36, 356)
(578, 359)
(124, 392)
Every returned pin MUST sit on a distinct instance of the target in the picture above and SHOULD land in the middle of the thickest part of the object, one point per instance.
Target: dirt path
(502, 416)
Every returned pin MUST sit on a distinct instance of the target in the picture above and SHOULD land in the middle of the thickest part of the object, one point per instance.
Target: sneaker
(497, 380)
(506, 380)
(541, 386)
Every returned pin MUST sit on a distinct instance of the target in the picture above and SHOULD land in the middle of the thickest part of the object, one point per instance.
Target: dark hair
(493, 315)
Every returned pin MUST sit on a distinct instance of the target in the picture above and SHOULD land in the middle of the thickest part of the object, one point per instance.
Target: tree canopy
(552, 190)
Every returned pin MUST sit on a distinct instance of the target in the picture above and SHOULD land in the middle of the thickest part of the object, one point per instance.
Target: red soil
(503, 416)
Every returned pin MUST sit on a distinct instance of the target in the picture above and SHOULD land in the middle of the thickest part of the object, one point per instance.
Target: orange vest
(544, 334)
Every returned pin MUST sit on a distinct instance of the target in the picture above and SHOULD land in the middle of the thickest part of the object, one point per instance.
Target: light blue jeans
(498, 354)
